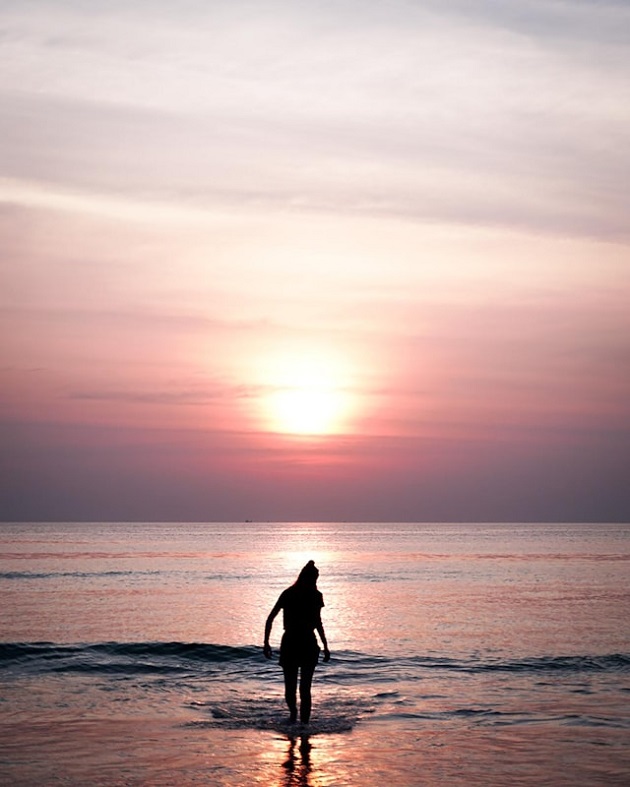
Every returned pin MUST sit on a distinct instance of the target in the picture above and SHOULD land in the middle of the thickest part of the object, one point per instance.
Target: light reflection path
(297, 767)
(304, 760)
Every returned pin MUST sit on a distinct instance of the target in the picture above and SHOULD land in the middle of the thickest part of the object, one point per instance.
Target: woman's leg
(306, 678)
(290, 688)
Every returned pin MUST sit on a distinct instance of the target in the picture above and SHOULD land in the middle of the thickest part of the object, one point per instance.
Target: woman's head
(308, 575)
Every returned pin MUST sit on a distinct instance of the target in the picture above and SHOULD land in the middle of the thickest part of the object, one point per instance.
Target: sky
(291, 260)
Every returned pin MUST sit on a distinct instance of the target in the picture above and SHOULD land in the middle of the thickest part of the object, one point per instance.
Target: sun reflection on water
(302, 761)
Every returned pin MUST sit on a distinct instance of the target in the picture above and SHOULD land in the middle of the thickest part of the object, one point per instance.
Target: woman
(299, 651)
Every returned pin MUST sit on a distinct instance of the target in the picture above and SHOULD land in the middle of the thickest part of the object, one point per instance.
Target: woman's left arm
(322, 636)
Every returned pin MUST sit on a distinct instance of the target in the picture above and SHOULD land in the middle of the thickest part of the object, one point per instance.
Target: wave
(612, 662)
(213, 660)
(124, 658)
(73, 574)
(335, 713)
(39, 575)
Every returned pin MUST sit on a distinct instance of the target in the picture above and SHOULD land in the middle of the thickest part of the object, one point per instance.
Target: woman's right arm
(268, 625)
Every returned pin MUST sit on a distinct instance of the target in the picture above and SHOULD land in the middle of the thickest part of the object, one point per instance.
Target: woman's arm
(268, 625)
(322, 636)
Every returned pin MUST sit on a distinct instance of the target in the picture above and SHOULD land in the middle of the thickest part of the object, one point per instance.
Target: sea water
(462, 654)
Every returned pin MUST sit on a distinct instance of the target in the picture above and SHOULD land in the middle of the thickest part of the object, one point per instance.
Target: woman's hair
(308, 575)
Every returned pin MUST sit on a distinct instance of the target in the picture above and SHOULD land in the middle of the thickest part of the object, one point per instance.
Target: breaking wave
(218, 660)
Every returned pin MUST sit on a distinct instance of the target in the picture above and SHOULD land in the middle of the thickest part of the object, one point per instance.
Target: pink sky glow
(301, 261)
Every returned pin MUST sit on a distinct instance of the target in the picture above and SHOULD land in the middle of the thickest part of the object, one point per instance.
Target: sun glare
(304, 411)
(306, 395)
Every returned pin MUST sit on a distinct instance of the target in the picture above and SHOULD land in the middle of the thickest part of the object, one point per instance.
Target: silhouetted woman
(299, 651)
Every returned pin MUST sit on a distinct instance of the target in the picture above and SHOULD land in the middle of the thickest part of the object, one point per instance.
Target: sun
(306, 395)
(304, 410)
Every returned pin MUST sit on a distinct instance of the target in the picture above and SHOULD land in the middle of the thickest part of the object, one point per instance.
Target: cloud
(478, 114)
(198, 395)
(574, 22)
(161, 474)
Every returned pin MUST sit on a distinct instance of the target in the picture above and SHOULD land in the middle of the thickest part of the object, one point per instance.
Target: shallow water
(467, 654)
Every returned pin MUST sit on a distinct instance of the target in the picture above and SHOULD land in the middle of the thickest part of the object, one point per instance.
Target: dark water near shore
(467, 654)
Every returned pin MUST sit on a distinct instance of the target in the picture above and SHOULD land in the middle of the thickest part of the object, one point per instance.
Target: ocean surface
(462, 654)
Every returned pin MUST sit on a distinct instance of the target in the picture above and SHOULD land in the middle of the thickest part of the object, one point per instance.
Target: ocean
(462, 654)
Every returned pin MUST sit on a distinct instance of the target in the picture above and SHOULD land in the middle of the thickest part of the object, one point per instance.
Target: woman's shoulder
(290, 595)
(286, 593)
